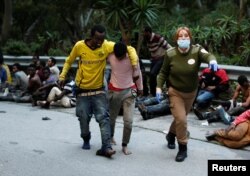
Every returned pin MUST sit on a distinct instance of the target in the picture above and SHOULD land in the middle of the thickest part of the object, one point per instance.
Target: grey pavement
(30, 146)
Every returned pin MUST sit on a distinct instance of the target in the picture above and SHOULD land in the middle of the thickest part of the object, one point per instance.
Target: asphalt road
(30, 146)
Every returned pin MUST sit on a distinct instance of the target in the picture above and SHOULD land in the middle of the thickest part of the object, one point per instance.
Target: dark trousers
(154, 70)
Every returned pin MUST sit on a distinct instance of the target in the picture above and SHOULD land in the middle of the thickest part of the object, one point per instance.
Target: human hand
(57, 98)
(61, 83)
(140, 92)
(210, 88)
(158, 94)
(238, 104)
(203, 85)
(213, 65)
(135, 78)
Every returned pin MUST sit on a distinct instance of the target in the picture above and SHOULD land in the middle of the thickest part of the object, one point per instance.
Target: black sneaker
(107, 153)
(210, 137)
(199, 114)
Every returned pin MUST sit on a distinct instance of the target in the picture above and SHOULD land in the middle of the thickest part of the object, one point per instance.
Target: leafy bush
(16, 48)
(56, 52)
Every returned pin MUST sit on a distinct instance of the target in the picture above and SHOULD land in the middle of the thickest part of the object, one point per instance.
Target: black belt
(89, 90)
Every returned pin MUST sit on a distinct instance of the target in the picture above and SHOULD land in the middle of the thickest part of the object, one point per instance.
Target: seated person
(213, 81)
(20, 79)
(51, 63)
(5, 66)
(34, 83)
(237, 135)
(18, 85)
(151, 108)
(236, 108)
(65, 97)
(233, 107)
(3, 77)
(47, 83)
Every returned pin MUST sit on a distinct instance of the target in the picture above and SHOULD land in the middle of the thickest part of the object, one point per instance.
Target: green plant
(16, 48)
(245, 55)
(55, 52)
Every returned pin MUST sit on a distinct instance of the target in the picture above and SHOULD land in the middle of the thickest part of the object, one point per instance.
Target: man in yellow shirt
(91, 97)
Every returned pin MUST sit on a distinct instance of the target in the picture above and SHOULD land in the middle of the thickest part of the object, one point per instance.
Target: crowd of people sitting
(37, 85)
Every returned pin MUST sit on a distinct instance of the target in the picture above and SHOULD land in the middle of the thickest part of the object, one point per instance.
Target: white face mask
(183, 43)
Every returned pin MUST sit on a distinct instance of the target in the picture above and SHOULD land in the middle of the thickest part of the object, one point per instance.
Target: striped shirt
(157, 46)
(70, 92)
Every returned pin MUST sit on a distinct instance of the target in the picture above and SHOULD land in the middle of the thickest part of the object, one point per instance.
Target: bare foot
(113, 141)
(125, 151)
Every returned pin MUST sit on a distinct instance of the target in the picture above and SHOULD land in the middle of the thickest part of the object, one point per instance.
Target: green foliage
(144, 12)
(16, 48)
(245, 55)
(233, 60)
(56, 52)
(58, 24)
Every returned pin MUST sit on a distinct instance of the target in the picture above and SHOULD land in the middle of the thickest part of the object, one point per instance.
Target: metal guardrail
(232, 70)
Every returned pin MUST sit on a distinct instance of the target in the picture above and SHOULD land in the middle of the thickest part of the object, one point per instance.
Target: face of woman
(183, 35)
(183, 40)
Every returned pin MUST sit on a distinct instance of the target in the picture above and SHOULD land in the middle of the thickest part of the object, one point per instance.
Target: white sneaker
(6, 92)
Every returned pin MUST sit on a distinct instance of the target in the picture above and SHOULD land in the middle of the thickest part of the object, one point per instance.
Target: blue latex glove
(158, 97)
(213, 65)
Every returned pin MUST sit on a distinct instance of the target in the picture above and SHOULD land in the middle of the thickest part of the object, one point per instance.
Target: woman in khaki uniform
(180, 71)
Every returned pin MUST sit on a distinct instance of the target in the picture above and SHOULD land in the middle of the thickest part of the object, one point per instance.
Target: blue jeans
(96, 105)
(204, 98)
(159, 109)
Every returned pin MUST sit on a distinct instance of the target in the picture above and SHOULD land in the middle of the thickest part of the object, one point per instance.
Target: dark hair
(147, 29)
(99, 28)
(46, 68)
(42, 63)
(242, 79)
(33, 66)
(120, 49)
(53, 60)
(17, 65)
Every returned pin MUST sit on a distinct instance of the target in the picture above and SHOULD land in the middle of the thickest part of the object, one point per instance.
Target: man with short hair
(54, 70)
(20, 79)
(34, 83)
(157, 45)
(120, 95)
(213, 81)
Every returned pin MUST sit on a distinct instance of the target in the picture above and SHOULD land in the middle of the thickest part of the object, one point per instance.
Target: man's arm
(137, 77)
(133, 56)
(247, 102)
(69, 60)
(236, 93)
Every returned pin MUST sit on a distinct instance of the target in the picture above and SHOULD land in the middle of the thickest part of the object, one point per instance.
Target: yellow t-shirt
(9, 78)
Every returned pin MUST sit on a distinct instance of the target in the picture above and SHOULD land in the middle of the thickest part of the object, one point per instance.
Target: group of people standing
(177, 66)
